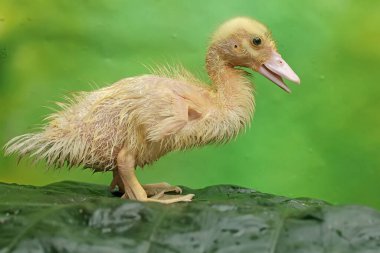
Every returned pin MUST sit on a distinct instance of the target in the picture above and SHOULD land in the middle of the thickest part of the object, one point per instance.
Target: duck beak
(275, 69)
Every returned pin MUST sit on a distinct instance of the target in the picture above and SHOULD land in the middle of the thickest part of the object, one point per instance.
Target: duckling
(137, 120)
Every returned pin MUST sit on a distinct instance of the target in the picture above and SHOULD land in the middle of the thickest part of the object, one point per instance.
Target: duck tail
(33, 145)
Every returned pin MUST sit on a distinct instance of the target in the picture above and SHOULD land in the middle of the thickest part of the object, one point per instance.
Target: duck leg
(134, 190)
(116, 181)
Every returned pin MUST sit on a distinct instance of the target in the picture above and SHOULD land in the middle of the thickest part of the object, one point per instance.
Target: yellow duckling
(137, 120)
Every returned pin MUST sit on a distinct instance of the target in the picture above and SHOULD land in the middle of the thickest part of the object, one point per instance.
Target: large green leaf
(77, 217)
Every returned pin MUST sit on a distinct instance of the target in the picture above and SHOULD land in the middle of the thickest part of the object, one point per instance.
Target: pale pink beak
(275, 69)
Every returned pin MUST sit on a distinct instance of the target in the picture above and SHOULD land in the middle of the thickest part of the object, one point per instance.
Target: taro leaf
(78, 217)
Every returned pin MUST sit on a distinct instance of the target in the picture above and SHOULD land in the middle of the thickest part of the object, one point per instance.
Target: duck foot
(125, 179)
(165, 198)
(158, 189)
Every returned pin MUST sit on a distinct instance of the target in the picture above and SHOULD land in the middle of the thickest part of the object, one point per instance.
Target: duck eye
(256, 41)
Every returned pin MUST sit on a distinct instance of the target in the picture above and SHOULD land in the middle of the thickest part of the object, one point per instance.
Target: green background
(320, 141)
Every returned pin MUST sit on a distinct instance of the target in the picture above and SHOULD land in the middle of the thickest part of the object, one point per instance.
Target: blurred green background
(320, 141)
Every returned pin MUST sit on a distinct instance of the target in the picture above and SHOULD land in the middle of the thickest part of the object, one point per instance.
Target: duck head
(244, 42)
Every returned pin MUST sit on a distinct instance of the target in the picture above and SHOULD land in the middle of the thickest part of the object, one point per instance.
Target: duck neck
(234, 92)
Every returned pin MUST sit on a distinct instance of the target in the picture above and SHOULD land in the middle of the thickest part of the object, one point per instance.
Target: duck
(137, 120)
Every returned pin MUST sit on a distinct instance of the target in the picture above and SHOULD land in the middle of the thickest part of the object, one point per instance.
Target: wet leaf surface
(79, 217)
